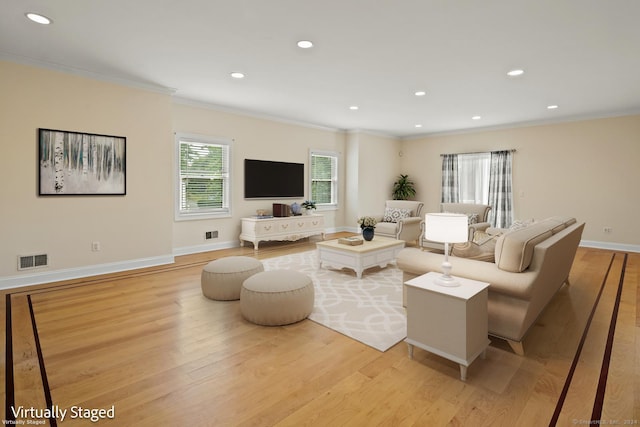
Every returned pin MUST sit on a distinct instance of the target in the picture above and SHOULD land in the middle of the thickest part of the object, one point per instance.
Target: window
(324, 178)
(483, 178)
(473, 177)
(203, 184)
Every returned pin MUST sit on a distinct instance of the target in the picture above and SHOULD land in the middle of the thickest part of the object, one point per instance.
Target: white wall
(134, 229)
(587, 169)
(253, 138)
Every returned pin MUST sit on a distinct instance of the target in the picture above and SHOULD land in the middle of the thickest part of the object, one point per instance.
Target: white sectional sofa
(530, 266)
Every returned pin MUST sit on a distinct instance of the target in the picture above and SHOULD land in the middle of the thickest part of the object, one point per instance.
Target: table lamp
(446, 228)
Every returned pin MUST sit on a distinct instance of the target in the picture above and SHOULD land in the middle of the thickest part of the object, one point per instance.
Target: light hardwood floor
(148, 344)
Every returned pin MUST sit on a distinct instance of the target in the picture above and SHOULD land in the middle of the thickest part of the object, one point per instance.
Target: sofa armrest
(480, 226)
(410, 220)
(409, 229)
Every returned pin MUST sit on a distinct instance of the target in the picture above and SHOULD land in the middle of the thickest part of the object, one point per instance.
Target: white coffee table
(378, 252)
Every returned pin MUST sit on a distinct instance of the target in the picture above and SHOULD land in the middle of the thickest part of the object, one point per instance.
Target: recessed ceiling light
(237, 75)
(418, 126)
(476, 118)
(551, 107)
(420, 93)
(514, 73)
(40, 19)
(305, 44)
(354, 107)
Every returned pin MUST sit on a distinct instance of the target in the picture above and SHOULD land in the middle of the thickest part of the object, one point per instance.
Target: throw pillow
(474, 251)
(481, 248)
(519, 224)
(481, 237)
(395, 214)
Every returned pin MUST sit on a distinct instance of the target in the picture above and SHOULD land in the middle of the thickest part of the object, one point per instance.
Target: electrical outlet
(211, 235)
(95, 246)
(608, 230)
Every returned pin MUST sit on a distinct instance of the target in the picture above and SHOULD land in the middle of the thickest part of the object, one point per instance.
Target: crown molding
(87, 74)
(372, 133)
(253, 114)
(532, 123)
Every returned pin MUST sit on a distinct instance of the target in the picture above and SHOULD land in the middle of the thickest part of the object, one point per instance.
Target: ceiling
(581, 55)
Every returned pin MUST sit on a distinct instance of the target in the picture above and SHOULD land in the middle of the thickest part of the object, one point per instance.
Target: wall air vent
(27, 262)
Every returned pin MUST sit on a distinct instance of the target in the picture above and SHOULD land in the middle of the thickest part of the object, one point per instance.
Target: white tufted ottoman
(277, 297)
(222, 279)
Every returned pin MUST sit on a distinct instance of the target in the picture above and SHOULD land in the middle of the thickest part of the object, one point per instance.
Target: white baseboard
(620, 247)
(115, 267)
(187, 250)
(76, 273)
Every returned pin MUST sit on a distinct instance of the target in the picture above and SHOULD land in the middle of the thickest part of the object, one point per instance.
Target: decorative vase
(367, 233)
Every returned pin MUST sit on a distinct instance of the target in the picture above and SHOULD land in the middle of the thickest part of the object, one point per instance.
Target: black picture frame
(81, 164)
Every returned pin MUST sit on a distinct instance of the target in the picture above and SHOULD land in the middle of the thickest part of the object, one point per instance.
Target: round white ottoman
(276, 297)
(222, 279)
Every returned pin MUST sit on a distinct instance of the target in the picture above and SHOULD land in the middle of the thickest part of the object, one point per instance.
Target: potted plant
(308, 206)
(403, 188)
(368, 225)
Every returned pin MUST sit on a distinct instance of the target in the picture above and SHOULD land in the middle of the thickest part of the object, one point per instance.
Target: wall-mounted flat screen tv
(273, 180)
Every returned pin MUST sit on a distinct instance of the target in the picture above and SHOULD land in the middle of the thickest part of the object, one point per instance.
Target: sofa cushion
(514, 249)
(472, 250)
(467, 208)
(472, 218)
(395, 214)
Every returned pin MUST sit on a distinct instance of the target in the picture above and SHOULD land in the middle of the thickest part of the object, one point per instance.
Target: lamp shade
(446, 227)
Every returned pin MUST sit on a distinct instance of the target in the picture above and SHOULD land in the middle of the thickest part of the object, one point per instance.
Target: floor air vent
(26, 262)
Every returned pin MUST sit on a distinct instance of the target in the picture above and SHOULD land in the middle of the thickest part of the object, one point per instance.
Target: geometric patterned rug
(368, 310)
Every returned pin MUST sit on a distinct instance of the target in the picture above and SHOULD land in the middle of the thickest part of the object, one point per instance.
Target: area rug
(368, 310)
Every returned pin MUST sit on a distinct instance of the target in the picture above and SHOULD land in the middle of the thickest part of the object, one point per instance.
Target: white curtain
(473, 172)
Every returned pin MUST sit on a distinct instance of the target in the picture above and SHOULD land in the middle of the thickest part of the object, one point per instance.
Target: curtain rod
(513, 150)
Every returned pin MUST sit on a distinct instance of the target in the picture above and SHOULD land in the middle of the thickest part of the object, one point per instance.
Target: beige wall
(253, 138)
(373, 165)
(587, 169)
(132, 227)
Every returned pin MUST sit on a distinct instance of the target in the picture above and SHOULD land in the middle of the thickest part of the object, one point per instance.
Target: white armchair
(401, 220)
(478, 220)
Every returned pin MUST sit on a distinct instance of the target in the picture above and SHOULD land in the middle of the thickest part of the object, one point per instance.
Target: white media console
(291, 228)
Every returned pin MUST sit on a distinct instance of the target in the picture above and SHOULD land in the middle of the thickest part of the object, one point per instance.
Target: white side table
(451, 322)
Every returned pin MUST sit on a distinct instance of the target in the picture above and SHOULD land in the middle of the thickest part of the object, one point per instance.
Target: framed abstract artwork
(81, 164)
